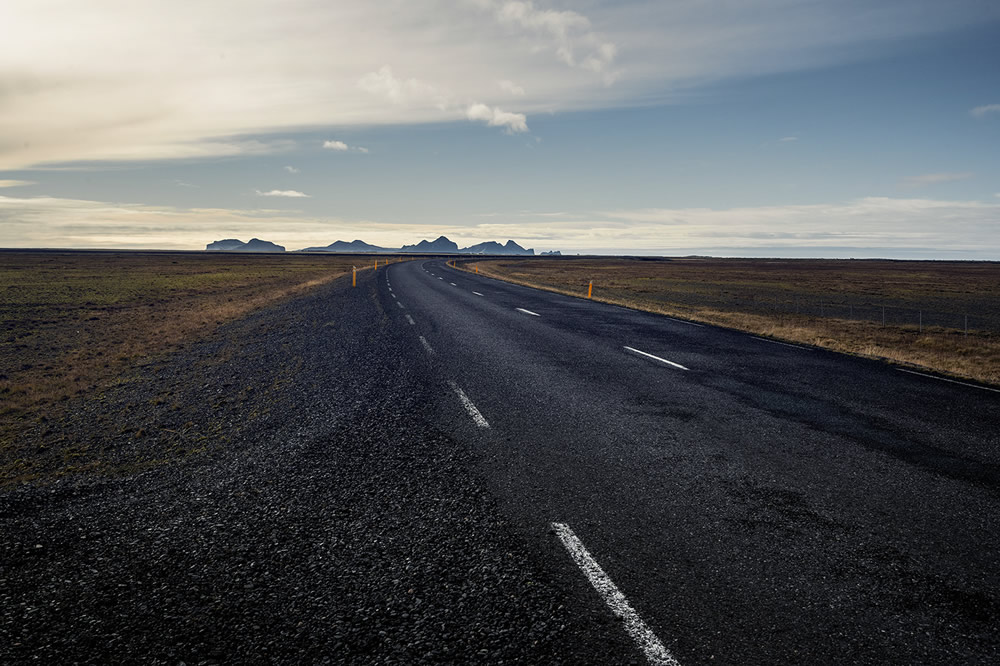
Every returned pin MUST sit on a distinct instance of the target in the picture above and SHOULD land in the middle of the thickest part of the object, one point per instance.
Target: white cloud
(402, 92)
(511, 122)
(935, 178)
(568, 32)
(291, 169)
(981, 111)
(77, 87)
(511, 88)
(283, 193)
(340, 146)
(788, 139)
(16, 183)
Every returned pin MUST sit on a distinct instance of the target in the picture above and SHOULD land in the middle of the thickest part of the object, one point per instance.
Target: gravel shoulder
(283, 496)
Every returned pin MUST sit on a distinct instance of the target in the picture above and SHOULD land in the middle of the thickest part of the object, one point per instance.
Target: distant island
(441, 245)
(235, 245)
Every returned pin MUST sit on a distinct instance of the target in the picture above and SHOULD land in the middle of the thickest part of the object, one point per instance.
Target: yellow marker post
(354, 276)
(477, 269)
(590, 289)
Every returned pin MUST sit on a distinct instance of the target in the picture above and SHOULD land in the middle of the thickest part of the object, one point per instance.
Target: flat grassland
(911, 312)
(71, 322)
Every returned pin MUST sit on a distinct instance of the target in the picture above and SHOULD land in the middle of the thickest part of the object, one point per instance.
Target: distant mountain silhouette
(493, 247)
(354, 246)
(441, 245)
(235, 245)
(228, 244)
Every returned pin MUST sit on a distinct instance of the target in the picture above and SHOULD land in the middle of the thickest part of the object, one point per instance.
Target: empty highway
(756, 502)
(438, 467)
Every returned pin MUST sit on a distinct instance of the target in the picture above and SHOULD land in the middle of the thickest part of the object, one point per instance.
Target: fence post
(966, 325)
(920, 314)
(883, 316)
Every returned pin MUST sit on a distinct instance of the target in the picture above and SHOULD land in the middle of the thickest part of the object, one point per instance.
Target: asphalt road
(765, 504)
(436, 467)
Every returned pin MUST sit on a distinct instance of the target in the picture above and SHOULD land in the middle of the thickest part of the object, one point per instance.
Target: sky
(779, 128)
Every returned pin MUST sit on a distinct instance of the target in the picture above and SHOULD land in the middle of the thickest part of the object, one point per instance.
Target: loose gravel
(281, 494)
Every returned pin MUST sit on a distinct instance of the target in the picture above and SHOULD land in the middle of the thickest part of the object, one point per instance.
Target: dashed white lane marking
(426, 345)
(775, 342)
(469, 407)
(640, 632)
(399, 304)
(393, 295)
(661, 360)
(440, 278)
(533, 314)
(410, 319)
(453, 284)
(477, 293)
(985, 388)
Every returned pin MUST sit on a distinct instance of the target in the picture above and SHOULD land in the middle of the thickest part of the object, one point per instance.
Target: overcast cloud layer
(114, 80)
(954, 229)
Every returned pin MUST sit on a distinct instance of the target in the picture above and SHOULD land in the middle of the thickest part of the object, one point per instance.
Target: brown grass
(732, 293)
(71, 323)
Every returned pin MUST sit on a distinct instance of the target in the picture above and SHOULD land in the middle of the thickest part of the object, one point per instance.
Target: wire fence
(981, 317)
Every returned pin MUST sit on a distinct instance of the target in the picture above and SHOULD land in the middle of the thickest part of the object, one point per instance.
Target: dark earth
(327, 519)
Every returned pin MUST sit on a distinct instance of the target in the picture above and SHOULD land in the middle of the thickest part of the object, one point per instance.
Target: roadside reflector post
(477, 269)
(590, 289)
(354, 276)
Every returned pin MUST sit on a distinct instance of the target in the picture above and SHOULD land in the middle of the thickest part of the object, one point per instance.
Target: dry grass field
(837, 304)
(71, 322)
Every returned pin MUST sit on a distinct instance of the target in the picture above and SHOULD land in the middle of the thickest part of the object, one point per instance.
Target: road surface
(441, 467)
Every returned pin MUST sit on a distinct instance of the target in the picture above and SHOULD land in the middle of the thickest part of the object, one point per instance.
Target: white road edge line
(410, 319)
(477, 293)
(469, 407)
(426, 345)
(644, 637)
(533, 314)
(662, 360)
(681, 321)
(775, 342)
(985, 388)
